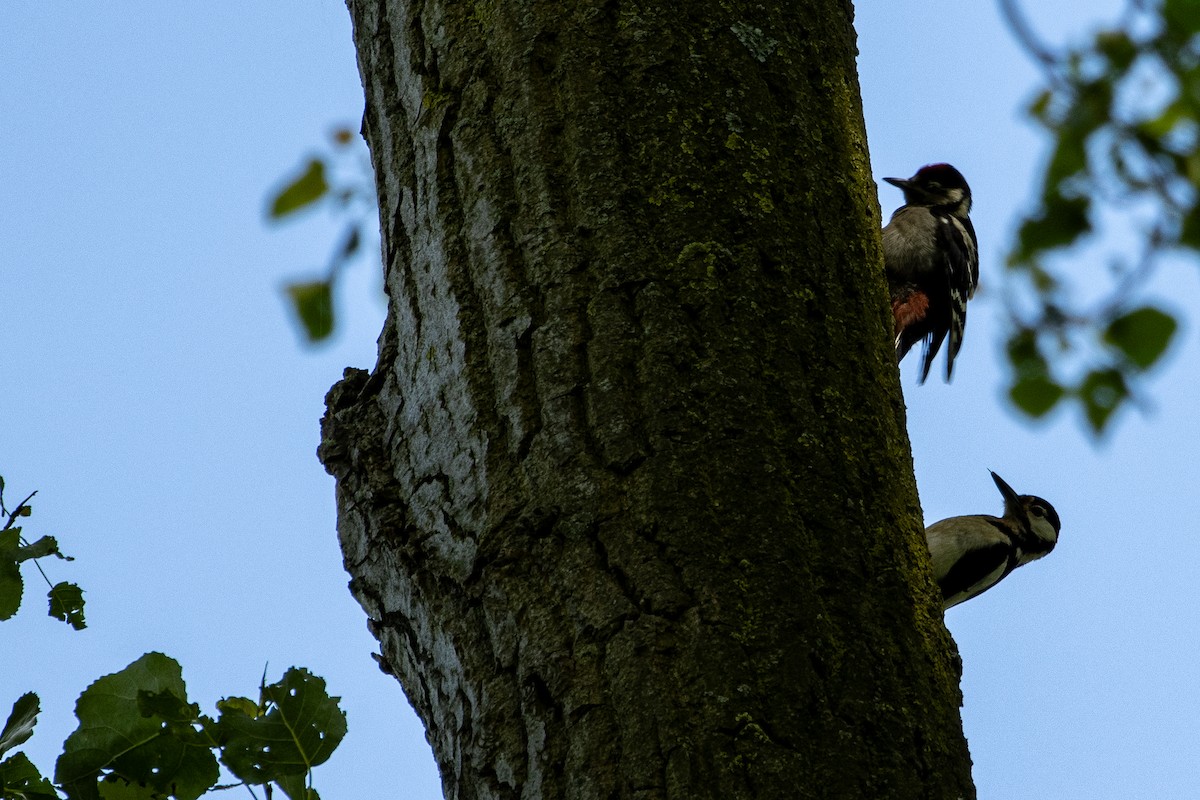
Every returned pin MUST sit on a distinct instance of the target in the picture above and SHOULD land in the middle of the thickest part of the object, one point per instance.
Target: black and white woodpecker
(972, 554)
(931, 259)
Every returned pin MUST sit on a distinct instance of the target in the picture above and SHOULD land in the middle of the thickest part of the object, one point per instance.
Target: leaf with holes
(169, 706)
(299, 731)
(66, 604)
(19, 778)
(115, 736)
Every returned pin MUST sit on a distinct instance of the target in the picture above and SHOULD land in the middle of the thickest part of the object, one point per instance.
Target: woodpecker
(932, 262)
(972, 554)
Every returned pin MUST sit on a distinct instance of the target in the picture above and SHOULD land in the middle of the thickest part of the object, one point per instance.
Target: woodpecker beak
(903, 183)
(1011, 499)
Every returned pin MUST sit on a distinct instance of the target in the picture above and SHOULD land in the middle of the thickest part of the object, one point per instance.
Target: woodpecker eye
(934, 185)
(1038, 511)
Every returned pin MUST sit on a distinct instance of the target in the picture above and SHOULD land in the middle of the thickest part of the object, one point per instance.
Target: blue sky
(156, 394)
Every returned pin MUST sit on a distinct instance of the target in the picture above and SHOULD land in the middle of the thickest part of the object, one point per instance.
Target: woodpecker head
(1031, 515)
(936, 185)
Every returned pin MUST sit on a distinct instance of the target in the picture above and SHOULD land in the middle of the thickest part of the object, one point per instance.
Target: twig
(16, 512)
(1025, 36)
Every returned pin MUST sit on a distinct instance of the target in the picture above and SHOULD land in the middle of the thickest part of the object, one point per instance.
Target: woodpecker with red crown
(932, 262)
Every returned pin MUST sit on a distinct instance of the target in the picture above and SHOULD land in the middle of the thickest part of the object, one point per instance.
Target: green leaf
(114, 787)
(167, 706)
(1142, 335)
(306, 189)
(1189, 234)
(1025, 355)
(1069, 157)
(11, 584)
(1182, 15)
(1040, 106)
(243, 704)
(20, 722)
(296, 787)
(1102, 393)
(1035, 395)
(313, 304)
(1061, 222)
(1092, 109)
(1118, 48)
(19, 778)
(1167, 121)
(301, 729)
(114, 735)
(1042, 280)
(1191, 171)
(66, 604)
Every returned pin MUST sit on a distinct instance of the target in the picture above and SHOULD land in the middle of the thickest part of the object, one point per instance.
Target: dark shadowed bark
(628, 497)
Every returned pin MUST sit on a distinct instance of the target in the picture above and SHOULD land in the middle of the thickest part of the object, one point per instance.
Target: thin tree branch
(1025, 36)
(16, 512)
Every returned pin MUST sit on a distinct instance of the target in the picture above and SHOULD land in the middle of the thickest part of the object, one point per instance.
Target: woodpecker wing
(970, 555)
(956, 244)
(909, 246)
(962, 278)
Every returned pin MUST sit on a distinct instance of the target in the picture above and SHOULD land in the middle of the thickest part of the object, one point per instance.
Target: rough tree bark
(628, 497)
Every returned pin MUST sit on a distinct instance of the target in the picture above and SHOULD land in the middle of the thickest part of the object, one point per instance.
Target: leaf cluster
(66, 599)
(1123, 111)
(139, 737)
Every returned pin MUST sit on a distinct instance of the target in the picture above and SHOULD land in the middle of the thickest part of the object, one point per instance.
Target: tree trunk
(628, 497)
